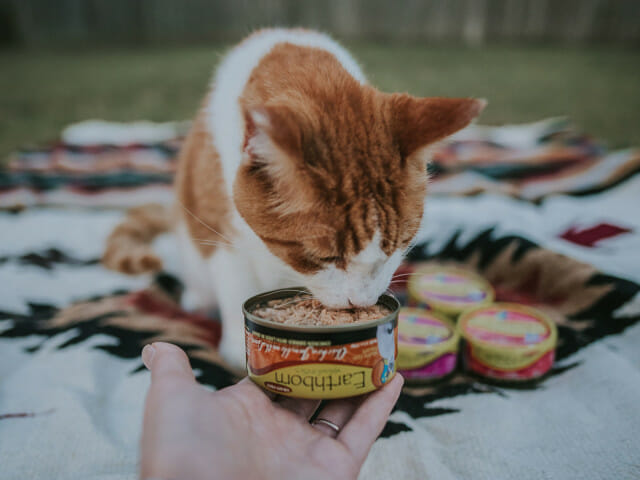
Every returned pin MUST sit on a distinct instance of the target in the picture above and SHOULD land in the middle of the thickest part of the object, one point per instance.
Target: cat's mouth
(340, 299)
(359, 285)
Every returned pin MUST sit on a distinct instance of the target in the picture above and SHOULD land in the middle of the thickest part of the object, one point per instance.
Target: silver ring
(328, 423)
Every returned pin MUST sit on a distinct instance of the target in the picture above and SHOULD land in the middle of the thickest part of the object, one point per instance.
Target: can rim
(450, 308)
(385, 300)
(543, 346)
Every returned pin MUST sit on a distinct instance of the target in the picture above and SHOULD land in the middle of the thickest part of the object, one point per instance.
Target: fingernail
(147, 355)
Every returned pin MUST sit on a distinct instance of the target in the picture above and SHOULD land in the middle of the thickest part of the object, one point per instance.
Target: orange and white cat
(297, 172)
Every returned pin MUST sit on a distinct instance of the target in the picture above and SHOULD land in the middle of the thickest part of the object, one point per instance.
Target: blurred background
(65, 61)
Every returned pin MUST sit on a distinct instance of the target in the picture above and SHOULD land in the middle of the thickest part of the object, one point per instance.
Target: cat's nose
(331, 298)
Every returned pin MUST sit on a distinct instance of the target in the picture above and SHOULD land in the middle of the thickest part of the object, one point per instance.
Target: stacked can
(427, 335)
(427, 345)
(507, 342)
(449, 291)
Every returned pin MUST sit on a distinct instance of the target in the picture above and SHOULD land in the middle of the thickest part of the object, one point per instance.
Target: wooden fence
(46, 22)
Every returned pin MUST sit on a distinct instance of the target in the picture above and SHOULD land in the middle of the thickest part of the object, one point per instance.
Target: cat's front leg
(234, 283)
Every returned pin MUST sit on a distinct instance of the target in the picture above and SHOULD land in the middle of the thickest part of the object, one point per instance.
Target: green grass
(599, 89)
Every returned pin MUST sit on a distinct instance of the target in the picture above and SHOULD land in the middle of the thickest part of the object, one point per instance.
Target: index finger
(370, 418)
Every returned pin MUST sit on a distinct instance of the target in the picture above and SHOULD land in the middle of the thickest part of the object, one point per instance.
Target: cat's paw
(131, 259)
(232, 351)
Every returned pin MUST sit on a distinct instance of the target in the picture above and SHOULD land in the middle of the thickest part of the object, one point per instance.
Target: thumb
(166, 361)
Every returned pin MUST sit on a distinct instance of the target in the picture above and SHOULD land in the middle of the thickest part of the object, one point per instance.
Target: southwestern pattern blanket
(544, 213)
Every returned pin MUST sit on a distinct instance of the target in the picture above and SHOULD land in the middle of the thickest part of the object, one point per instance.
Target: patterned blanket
(545, 213)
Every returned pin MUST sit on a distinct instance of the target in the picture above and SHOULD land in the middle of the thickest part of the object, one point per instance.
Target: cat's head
(335, 188)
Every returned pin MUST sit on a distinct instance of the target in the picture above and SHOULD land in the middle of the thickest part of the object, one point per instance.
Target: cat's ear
(271, 132)
(273, 154)
(418, 122)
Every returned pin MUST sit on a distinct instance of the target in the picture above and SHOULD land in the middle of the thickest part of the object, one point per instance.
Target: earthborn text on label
(322, 362)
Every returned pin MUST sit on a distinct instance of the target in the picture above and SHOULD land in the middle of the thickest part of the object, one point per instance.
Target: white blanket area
(87, 404)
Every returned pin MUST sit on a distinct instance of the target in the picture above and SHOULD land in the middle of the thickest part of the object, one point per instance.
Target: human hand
(243, 432)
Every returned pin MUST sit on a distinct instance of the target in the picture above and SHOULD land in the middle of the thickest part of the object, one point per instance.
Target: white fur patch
(195, 274)
(224, 114)
(366, 277)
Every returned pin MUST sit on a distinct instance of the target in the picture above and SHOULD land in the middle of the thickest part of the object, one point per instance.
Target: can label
(321, 365)
(423, 338)
(488, 367)
(427, 345)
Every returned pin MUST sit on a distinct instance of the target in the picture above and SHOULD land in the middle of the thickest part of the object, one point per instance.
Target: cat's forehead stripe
(372, 252)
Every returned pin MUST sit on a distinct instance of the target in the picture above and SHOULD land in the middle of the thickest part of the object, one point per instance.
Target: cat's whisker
(405, 275)
(215, 245)
(203, 223)
(389, 292)
(402, 275)
(409, 274)
(295, 300)
(212, 240)
(397, 280)
(212, 243)
(221, 245)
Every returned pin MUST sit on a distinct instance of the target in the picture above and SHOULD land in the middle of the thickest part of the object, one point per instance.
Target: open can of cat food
(449, 291)
(305, 360)
(508, 342)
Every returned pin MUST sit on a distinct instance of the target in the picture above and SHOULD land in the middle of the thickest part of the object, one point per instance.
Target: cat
(295, 172)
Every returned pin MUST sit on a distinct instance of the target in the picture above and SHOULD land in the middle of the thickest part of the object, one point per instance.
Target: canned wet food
(300, 349)
(427, 345)
(448, 290)
(508, 342)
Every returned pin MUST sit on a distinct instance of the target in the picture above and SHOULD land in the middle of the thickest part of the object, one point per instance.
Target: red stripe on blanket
(589, 237)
